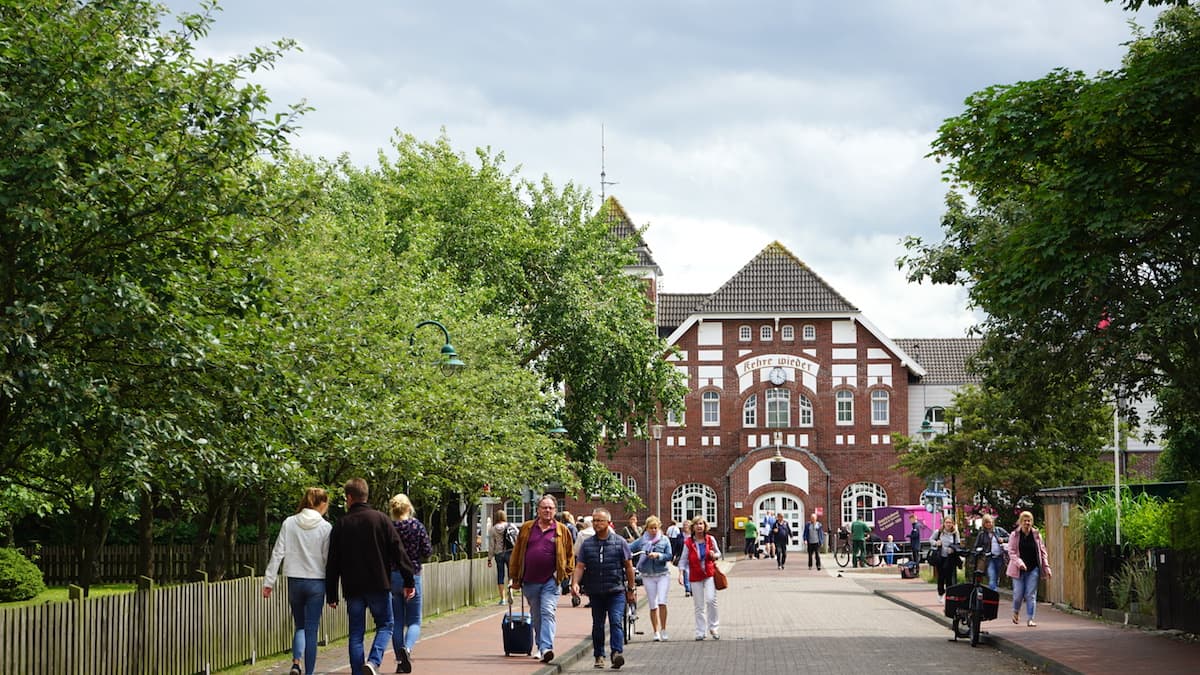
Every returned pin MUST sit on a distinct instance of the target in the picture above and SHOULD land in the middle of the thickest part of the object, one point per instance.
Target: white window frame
(806, 411)
(744, 334)
(777, 400)
(936, 414)
(859, 501)
(881, 402)
(845, 406)
(765, 334)
(787, 332)
(809, 331)
(690, 498)
(631, 483)
(750, 411)
(710, 406)
(514, 509)
(675, 418)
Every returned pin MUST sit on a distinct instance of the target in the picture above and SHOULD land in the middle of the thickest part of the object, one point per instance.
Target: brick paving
(834, 621)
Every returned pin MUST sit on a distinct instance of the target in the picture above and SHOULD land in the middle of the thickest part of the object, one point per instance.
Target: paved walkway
(843, 617)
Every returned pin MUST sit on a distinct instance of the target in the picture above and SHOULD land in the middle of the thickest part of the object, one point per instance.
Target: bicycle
(872, 553)
(968, 605)
(842, 554)
(631, 615)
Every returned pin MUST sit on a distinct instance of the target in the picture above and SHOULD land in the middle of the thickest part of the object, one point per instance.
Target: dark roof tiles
(944, 359)
(776, 281)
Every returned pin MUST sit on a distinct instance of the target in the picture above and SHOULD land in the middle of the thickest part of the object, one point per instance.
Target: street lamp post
(657, 431)
(450, 363)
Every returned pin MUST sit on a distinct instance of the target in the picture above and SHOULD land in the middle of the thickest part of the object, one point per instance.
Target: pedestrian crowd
(375, 560)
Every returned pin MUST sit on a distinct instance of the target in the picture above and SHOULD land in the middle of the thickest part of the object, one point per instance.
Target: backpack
(510, 538)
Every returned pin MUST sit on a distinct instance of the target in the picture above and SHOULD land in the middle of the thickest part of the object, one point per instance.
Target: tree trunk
(145, 534)
(94, 523)
(216, 561)
(263, 543)
(200, 544)
(229, 540)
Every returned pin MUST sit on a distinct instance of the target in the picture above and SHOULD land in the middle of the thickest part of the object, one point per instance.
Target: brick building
(792, 398)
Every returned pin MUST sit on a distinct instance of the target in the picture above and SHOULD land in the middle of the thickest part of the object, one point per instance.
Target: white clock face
(777, 376)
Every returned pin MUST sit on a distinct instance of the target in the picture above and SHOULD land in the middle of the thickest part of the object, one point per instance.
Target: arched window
(764, 333)
(787, 333)
(779, 401)
(859, 501)
(750, 411)
(806, 411)
(631, 483)
(711, 405)
(744, 333)
(845, 406)
(810, 332)
(694, 499)
(879, 406)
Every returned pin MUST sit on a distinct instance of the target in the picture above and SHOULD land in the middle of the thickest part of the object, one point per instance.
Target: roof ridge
(808, 291)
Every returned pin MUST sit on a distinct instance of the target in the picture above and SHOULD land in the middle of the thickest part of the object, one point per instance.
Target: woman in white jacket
(303, 548)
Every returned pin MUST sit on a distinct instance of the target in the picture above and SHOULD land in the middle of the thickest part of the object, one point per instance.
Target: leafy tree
(1079, 235)
(133, 200)
(1003, 450)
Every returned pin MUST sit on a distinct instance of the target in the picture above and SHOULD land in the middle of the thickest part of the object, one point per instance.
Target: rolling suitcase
(517, 628)
(908, 570)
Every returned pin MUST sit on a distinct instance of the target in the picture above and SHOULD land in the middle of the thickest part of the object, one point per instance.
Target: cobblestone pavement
(798, 620)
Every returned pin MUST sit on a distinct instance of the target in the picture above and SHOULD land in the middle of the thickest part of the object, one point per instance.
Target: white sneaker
(536, 654)
(663, 635)
(657, 636)
(714, 634)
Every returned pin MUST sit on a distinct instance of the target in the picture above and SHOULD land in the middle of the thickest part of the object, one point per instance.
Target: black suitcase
(517, 628)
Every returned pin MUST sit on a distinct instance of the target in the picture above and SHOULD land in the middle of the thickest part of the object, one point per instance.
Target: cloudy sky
(726, 125)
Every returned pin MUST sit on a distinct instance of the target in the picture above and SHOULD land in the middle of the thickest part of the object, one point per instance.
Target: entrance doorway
(787, 506)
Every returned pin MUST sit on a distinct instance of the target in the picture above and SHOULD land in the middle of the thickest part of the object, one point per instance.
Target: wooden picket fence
(119, 564)
(193, 628)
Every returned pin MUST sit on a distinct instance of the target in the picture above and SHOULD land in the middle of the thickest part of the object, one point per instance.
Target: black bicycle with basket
(970, 604)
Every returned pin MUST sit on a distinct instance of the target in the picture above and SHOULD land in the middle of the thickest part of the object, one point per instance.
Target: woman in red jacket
(700, 554)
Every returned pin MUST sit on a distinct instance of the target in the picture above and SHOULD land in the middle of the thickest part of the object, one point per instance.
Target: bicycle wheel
(873, 555)
(961, 625)
(842, 557)
(630, 622)
(976, 615)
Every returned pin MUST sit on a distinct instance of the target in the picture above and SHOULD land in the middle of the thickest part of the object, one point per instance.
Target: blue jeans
(1025, 588)
(543, 603)
(502, 566)
(380, 604)
(306, 598)
(406, 613)
(612, 607)
(687, 583)
(994, 569)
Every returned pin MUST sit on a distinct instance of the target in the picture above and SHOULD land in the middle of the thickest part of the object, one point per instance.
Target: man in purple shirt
(542, 557)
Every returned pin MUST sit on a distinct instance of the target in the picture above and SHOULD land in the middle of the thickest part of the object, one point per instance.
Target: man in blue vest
(604, 568)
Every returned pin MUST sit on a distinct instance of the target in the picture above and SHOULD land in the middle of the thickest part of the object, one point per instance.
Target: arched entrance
(792, 510)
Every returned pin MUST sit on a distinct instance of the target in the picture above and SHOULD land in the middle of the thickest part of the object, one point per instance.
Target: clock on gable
(777, 376)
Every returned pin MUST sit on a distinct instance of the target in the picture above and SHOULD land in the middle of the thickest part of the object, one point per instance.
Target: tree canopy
(195, 323)
(1002, 449)
(1074, 221)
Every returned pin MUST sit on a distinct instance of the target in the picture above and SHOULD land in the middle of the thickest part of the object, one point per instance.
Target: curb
(1001, 643)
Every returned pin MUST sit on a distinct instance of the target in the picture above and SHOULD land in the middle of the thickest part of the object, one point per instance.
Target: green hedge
(19, 578)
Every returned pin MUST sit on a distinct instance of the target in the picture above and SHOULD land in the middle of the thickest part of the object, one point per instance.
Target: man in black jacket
(363, 550)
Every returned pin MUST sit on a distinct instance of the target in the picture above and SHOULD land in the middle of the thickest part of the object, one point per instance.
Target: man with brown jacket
(542, 557)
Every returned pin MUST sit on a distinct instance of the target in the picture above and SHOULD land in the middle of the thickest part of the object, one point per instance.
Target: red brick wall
(847, 463)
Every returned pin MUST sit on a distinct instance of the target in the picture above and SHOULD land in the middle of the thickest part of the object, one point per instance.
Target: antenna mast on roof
(603, 175)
